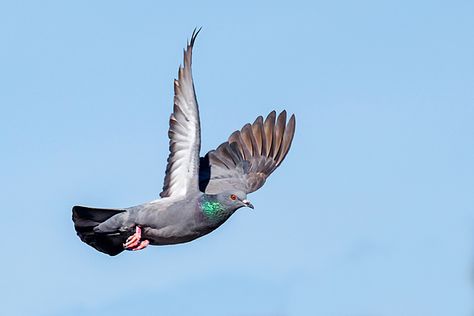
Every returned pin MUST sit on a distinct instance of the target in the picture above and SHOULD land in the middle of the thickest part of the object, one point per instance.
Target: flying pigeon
(199, 193)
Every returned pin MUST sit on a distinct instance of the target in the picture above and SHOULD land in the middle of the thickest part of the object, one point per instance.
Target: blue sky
(371, 213)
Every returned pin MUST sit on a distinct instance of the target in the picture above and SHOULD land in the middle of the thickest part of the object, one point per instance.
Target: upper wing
(184, 132)
(250, 155)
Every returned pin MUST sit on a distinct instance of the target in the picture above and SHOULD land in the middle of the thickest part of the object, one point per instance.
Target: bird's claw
(135, 241)
(143, 244)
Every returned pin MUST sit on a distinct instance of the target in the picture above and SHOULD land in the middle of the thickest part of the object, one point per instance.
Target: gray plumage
(199, 194)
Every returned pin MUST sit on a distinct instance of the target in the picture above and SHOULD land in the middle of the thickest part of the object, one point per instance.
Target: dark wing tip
(194, 35)
(282, 115)
(185, 69)
(271, 115)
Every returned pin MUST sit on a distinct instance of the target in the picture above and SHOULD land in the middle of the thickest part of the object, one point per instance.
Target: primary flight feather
(199, 193)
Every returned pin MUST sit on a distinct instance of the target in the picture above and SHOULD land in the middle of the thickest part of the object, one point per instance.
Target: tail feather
(86, 219)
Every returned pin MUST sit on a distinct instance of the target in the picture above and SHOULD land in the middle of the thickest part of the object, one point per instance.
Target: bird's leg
(134, 242)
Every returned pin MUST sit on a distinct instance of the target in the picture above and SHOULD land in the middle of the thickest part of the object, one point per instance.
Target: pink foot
(142, 245)
(134, 242)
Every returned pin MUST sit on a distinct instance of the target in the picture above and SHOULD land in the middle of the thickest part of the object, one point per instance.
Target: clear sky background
(371, 214)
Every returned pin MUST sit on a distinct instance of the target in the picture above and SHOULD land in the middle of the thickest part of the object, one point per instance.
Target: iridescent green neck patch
(211, 209)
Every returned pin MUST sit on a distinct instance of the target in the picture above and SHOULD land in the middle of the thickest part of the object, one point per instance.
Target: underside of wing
(184, 133)
(249, 156)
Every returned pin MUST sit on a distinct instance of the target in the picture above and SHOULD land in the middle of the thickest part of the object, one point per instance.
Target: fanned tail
(87, 218)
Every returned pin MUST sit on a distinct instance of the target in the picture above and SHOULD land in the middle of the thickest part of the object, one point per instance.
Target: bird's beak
(248, 204)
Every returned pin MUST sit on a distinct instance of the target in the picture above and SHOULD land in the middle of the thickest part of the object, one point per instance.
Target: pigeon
(199, 193)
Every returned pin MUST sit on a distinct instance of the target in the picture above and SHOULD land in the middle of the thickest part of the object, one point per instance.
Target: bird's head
(222, 205)
(234, 199)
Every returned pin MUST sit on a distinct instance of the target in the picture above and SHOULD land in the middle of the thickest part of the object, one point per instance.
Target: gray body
(166, 221)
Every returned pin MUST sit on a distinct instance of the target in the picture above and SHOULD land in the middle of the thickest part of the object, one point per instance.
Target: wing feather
(268, 129)
(184, 132)
(257, 131)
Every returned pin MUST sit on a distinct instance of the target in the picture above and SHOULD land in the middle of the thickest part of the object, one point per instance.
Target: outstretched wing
(184, 132)
(250, 155)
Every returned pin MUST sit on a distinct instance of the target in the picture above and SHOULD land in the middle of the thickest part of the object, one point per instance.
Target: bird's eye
(233, 197)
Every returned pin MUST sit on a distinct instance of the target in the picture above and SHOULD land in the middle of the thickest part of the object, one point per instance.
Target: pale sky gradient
(371, 214)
